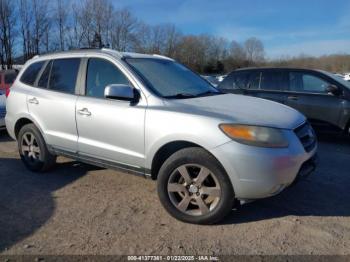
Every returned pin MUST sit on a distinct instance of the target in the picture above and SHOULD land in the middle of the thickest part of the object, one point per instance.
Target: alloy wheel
(30, 147)
(194, 189)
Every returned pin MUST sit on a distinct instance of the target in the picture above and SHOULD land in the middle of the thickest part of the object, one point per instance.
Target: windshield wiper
(181, 95)
(209, 92)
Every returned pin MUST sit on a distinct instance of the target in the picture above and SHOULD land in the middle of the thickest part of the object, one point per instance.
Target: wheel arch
(20, 123)
(165, 151)
(24, 120)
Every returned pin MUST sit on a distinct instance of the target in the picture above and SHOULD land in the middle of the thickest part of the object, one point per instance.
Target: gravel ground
(81, 209)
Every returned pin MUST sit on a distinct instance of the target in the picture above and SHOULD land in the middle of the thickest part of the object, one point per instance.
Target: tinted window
(304, 82)
(272, 80)
(100, 74)
(253, 81)
(10, 77)
(43, 81)
(64, 75)
(31, 73)
(234, 81)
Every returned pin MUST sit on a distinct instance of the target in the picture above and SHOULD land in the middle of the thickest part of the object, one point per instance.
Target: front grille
(307, 136)
(2, 112)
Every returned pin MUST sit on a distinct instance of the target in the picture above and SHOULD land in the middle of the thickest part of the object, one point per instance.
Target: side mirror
(333, 89)
(121, 92)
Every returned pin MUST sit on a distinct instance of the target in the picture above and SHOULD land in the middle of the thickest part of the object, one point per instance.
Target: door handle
(84, 112)
(293, 97)
(33, 101)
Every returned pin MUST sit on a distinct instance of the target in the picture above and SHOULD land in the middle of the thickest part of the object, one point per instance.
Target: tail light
(7, 92)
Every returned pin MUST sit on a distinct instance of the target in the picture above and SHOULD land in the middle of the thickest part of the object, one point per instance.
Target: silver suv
(151, 116)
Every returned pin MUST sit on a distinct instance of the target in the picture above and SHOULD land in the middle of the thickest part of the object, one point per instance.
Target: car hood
(241, 109)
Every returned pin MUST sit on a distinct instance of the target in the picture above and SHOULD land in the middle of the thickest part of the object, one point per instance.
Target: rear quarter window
(30, 74)
(235, 81)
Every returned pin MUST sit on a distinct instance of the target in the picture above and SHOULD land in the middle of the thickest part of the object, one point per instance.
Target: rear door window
(44, 78)
(30, 74)
(64, 74)
(273, 80)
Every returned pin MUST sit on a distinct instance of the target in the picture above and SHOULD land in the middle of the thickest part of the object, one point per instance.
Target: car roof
(277, 68)
(91, 51)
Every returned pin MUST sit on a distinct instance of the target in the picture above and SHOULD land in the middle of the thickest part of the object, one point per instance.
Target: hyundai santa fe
(151, 116)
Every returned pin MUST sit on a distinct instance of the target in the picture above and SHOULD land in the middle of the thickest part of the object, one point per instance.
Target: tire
(193, 187)
(33, 150)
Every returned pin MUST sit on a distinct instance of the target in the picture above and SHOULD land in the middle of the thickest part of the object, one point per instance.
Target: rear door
(307, 93)
(52, 102)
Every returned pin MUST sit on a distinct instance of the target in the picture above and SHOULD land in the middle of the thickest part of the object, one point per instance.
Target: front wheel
(193, 187)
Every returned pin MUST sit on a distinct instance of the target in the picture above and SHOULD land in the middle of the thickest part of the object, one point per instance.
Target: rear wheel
(33, 150)
(193, 187)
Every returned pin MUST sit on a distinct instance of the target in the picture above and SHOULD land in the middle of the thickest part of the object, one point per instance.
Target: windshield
(170, 79)
(338, 79)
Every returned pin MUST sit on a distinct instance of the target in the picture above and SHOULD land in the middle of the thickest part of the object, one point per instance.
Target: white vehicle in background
(347, 77)
(2, 109)
(220, 78)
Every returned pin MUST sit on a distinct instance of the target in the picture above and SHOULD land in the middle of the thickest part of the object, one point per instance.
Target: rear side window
(10, 77)
(31, 73)
(101, 73)
(235, 81)
(63, 75)
(273, 80)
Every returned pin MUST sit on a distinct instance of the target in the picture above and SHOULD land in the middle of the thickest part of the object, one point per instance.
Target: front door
(110, 130)
(307, 93)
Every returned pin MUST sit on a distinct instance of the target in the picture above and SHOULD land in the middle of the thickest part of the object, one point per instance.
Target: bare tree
(254, 49)
(7, 27)
(123, 31)
(61, 17)
(41, 23)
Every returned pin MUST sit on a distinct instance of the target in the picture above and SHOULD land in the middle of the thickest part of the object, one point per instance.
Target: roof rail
(119, 54)
(162, 56)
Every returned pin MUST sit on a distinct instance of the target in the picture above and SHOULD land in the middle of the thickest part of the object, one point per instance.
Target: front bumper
(257, 172)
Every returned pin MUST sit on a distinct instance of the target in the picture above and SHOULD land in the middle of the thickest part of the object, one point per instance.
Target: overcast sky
(291, 27)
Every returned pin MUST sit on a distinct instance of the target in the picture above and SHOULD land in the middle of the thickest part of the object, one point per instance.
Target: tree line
(31, 27)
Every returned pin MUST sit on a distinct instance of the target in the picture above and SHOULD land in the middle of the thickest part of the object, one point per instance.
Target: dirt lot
(80, 209)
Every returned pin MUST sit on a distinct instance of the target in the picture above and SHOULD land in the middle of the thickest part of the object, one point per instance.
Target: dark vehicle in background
(321, 96)
(7, 77)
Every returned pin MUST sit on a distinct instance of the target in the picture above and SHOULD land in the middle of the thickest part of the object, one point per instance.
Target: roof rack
(162, 56)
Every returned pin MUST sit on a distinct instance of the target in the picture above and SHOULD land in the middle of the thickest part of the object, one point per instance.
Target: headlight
(255, 135)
